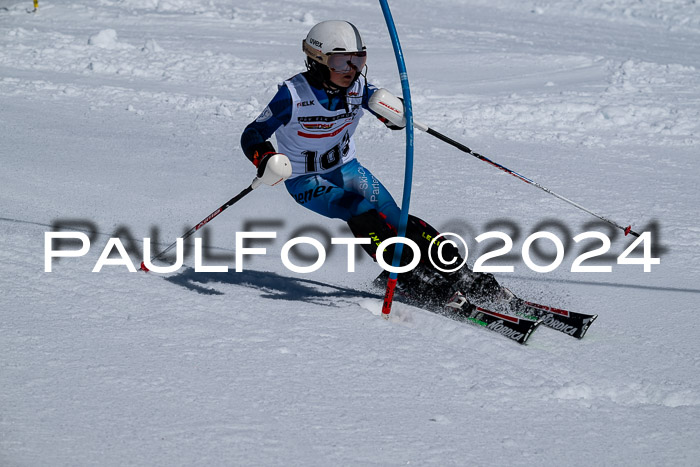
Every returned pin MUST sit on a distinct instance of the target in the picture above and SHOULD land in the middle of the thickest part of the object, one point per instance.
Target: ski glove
(388, 124)
(258, 152)
(262, 163)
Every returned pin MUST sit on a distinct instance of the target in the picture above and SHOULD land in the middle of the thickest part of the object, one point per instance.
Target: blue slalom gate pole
(408, 175)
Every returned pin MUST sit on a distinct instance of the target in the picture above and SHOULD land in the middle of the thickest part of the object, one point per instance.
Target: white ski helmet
(336, 45)
(329, 37)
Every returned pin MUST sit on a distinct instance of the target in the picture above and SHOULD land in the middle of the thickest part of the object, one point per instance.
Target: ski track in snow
(125, 116)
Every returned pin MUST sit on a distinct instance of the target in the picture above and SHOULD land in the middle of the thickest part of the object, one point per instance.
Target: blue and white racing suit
(315, 131)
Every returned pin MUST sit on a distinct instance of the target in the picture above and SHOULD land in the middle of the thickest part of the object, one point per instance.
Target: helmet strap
(319, 74)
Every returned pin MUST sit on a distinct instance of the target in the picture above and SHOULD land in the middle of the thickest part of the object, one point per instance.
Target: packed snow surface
(122, 119)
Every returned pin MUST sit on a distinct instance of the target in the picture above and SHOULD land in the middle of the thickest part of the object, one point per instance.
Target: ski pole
(275, 169)
(256, 183)
(461, 147)
(390, 107)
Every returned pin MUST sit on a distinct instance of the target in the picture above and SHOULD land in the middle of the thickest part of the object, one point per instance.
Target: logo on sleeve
(264, 116)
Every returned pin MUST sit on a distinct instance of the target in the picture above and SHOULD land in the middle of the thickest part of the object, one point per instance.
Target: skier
(314, 115)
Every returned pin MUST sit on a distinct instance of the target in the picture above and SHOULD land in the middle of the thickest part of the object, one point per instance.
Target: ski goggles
(344, 62)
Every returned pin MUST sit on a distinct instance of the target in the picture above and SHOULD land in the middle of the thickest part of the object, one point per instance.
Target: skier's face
(343, 79)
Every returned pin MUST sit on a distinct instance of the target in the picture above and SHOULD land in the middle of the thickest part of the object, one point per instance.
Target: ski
(571, 323)
(517, 328)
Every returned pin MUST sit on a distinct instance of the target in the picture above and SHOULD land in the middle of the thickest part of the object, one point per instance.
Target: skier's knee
(371, 225)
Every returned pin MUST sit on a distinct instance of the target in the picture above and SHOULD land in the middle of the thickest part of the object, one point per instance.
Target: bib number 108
(329, 159)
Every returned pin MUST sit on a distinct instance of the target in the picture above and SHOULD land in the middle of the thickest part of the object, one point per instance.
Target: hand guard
(387, 106)
(274, 168)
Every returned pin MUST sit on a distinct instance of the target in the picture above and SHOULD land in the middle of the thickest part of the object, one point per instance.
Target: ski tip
(529, 332)
(585, 327)
(143, 267)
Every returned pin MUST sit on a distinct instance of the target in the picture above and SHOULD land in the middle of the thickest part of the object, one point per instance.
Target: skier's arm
(255, 138)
